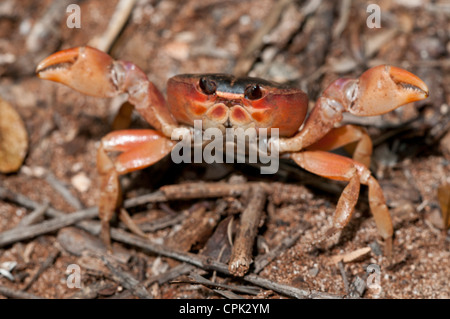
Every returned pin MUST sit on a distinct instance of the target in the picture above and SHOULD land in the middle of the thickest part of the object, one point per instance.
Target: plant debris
(13, 139)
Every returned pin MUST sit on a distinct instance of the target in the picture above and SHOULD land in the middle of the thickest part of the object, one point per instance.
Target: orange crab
(224, 101)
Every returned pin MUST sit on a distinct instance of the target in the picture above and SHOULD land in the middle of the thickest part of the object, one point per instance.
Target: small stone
(435, 218)
(81, 182)
(376, 249)
(357, 287)
(177, 50)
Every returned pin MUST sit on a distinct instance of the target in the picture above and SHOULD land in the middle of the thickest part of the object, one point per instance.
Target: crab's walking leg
(345, 169)
(377, 91)
(346, 136)
(140, 149)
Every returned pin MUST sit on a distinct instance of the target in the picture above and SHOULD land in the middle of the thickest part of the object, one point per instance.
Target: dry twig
(197, 279)
(198, 226)
(344, 14)
(63, 191)
(116, 24)
(27, 232)
(17, 294)
(343, 275)
(169, 275)
(247, 58)
(125, 279)
(36, 215)
(46, 264)
(241, 256)
(162, 223)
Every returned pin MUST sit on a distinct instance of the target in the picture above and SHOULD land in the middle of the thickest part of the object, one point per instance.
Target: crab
(224, 101)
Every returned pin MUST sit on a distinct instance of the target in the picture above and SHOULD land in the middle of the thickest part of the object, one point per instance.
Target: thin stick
(344, 275)
(126, 279)
(46, 29)
(227, 294)
(91, 291)
(170, 275)
(203, 190)
(241, 256)
(46, 264)
(63, 191)
(197, 279)
(24, 201)
(195, 229)
(17, 294)
(116, 24)
(166, 193)
(247, 58)
(162, 223)
(344, 13)
(27, 232)
(36, 215)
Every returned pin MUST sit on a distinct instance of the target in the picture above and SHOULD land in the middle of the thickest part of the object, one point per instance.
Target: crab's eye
(207, 86)
(253, 92)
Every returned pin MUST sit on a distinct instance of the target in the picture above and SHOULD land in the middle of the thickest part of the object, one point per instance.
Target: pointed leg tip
(105, 235)
(388, 247)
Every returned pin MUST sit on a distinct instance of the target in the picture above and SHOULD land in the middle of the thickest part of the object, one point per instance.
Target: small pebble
(376, 249)
(81, 182)
(313, 271)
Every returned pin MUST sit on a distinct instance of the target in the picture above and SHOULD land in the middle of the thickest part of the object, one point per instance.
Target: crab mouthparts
(228, 115)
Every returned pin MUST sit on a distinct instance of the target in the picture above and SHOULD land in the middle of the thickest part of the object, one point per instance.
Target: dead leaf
(13, 139)
(444, 201)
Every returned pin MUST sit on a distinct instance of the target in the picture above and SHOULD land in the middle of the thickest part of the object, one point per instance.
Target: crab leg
(377, 91)
(95, 73)
(338, 167)
(346, 136)
(140, 149)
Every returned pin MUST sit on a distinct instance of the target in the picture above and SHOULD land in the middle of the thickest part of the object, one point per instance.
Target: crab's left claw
(84, 69)
(380, 90)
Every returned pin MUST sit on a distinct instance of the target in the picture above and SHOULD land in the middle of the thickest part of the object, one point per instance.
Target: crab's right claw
(382, 89)
(84, 69)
